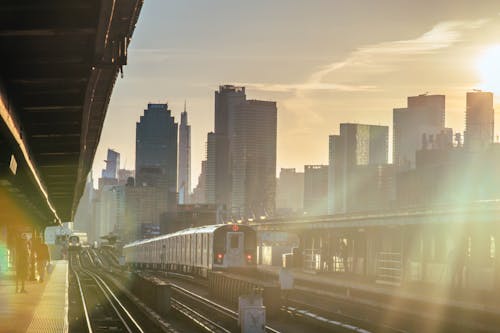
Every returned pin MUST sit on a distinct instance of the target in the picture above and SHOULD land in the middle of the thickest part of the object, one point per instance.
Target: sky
(324, 62)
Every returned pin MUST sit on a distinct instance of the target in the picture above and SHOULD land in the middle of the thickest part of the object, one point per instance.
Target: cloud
(377, 58)
(278, 87)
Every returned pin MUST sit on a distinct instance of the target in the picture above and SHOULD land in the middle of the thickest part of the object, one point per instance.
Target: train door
(235, 255)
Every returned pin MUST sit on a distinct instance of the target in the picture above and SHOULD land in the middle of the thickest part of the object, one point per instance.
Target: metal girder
(60, 60)
(53, 108)
(47, 32)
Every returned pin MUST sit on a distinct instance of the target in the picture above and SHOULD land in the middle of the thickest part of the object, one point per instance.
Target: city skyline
(414, 55)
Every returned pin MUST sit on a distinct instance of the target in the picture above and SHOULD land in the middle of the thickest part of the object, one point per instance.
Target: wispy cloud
(378, 58)
(278, 87)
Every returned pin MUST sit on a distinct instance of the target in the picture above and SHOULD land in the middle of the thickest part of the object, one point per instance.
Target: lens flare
(488, 66)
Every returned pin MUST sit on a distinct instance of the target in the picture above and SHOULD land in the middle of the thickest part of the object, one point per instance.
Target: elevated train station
(418, 246)
(59, 61)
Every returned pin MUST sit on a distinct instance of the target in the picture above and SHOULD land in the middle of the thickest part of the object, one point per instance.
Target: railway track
(207, 315)
(102, 309)
(197, 308)
(304, 313)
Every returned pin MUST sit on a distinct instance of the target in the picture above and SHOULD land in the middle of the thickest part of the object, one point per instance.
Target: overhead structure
(59, 61)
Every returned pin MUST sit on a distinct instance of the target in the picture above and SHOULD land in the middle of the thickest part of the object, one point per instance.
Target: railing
(312, 259)
(389, 268)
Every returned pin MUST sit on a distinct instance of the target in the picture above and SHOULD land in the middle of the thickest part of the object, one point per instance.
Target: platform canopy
(59, 60)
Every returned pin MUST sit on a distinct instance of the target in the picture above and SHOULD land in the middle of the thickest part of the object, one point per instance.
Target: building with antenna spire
(184, 181)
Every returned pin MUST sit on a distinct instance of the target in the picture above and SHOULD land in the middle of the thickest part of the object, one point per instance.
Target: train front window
(235, 241)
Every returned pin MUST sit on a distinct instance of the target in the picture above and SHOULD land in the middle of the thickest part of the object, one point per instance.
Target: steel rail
(85, 311)
(188, 312)
(108, 292)
(220, 308)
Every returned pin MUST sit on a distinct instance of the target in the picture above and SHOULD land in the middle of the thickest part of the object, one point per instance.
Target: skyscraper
(156, 148)
(226, 99)
(253, 158)
(184, 183)
(211, 170)
(479, 120)
(109, 175)
(112, 165)
(316, 189)
(423, 116)
(357, 145)
(290, 192)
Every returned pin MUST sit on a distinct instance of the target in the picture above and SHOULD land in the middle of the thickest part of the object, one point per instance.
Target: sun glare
(489, 69)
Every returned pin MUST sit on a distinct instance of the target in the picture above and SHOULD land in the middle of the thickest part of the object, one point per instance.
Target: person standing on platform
(22, 262)
(42, 258)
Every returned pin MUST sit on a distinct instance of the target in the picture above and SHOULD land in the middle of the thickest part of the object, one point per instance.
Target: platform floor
(440, 296)
(44, 308)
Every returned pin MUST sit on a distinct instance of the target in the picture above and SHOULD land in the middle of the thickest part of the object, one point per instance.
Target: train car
(74, 243)
(196, 250)
(76, 240)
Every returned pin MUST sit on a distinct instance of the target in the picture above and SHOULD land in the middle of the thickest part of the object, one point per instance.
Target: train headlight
(220, 256)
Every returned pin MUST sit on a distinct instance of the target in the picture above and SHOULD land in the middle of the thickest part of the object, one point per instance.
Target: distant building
(112, 209)
(226, 99)
(451, 176)
(184, 182)
(357, 145)
(83, 215)
(112, 165)
(372, 188)
(198, 196)
(316, 189)
(156, 148)
(211, 170)
(424, 115)
(188, 216)
(253, 159)
(143, 208)
(479, 120)
(109, 175)
(124, 175)
(290, 192)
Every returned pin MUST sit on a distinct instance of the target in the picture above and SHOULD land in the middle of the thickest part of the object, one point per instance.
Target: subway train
(196, 250)
(74, 243)
(76, 240)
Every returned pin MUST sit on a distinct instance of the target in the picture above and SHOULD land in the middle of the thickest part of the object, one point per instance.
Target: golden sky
(323, 61)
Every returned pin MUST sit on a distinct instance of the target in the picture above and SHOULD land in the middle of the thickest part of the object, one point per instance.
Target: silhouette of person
(457, 259)
(42, 259)
(344, 254)
(22, 262)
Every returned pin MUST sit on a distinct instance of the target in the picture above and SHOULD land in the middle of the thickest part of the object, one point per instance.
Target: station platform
(44, 308)
(351, 286)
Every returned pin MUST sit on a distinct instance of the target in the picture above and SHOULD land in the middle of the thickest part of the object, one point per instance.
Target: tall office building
(357, 145)
(290, 192)
(184, 182)
(112, 165)
(211, 170)
(316, 189)
(479, 120)
(83, 215)
(156, 148)
(226, 99)
(424, 116)
(253, 158)
(124, 175)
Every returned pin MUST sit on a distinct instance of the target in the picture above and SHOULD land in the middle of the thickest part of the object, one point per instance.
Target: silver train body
(74, 243)
(196, 250)
(76, 240)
